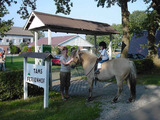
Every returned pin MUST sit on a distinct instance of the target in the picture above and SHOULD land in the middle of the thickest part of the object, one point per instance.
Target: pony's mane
(88, 53)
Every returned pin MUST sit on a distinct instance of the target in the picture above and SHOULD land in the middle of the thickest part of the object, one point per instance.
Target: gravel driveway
(105, 92)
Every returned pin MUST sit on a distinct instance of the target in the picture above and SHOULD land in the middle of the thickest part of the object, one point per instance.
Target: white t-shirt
(65, 68)
(104, 54)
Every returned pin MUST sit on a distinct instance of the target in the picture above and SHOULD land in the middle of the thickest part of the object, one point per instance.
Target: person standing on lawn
(65, 73)
(3, 56)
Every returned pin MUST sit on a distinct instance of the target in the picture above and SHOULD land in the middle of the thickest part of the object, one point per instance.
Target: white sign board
(36, 75)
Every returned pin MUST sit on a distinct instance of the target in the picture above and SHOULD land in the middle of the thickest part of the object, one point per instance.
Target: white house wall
(17, 39)
(78, 41)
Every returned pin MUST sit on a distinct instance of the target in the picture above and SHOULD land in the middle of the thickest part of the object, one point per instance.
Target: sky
(82, 9)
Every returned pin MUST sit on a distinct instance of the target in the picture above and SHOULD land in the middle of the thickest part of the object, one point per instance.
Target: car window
(140, 56)
(57, 56)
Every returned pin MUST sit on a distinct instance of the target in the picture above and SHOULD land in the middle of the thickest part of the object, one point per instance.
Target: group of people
(3, 57)
(65, 71)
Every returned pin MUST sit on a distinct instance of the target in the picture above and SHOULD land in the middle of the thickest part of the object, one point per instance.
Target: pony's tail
(132, 79)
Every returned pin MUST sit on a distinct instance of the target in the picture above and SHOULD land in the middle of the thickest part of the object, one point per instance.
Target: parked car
(118, 55)
(56, 60)
(136, 56)
(132, 56)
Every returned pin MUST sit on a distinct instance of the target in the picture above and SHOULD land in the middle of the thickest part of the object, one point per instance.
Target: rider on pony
(103, 56)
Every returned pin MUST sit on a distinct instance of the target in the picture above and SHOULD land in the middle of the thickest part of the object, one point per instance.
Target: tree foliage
(22, 45)
(40, 34)
(5, 25)
(116, 39)
(137, 19)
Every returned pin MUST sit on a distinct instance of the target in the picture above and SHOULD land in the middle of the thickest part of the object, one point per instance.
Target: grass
(75, 108)
(17, 62)
(149, 79)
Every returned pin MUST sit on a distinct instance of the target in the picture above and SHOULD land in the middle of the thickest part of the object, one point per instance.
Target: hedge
(11, 86)
(144, 65)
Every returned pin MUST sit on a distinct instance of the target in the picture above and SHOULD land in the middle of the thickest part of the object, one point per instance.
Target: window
(28, 40)
(20, 40)
(1, 49)
(0, 40)
(13, 41)
(7, 40)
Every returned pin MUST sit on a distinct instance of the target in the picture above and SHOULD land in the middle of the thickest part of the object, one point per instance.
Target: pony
(121, 68)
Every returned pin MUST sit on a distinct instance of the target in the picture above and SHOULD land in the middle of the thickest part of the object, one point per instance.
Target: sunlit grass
(75, 108)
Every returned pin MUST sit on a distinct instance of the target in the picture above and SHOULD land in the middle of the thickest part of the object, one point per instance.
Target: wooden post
(46, 89)
(36, 47)
(95, 43)
(50, 64)
(49, 37)
(25, 84)
(110, 48)
(36, 40)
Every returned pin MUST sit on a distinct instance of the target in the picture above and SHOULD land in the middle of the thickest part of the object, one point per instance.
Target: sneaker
(97, 71)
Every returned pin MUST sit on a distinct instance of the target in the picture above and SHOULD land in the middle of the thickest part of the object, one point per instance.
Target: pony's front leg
(90, 83)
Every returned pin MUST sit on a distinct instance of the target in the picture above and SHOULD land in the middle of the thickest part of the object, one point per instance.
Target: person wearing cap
(65, 73)
(103, 56)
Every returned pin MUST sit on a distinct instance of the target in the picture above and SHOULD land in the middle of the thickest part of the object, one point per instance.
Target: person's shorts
(65, 79)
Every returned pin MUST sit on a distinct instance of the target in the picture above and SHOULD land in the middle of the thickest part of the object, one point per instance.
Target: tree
(40, 34)
(154, 18)
(137, 19)
(5, 25)
(116, 39)
(125, 21)
(22, 45)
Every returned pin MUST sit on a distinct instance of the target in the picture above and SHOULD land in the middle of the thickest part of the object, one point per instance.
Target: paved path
(146, 106)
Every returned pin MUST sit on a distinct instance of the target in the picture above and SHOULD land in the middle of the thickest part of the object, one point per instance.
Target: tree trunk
(156, 6)
(152, 48)
(125, 24)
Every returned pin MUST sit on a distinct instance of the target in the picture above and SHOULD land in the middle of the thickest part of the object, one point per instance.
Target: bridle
(89, 71)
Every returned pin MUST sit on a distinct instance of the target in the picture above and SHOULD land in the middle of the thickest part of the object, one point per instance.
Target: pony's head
(76, 55)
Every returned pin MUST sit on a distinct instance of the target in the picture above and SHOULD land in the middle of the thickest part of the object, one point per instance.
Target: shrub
(23, 44)
(31, 49)
(144, 65)
(25, 49)
(11, 86)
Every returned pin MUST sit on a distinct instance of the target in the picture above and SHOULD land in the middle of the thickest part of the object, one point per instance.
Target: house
(136, 42)
(17, 35)
(65, 40)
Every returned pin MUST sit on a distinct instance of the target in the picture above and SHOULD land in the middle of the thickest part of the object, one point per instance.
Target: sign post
(37, 74)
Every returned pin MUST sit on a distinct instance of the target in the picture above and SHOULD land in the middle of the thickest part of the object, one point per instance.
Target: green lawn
(148, 79)
(17, 62)
(75, 108)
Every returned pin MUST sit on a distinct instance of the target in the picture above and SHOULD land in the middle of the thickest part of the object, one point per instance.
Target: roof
(54, 40)
(136, 42)
(36, 55)
(19, 31)
(43, 21)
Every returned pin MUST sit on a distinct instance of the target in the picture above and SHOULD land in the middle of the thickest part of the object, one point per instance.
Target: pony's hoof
(89, 99)
(115, 100)
(130, 100)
